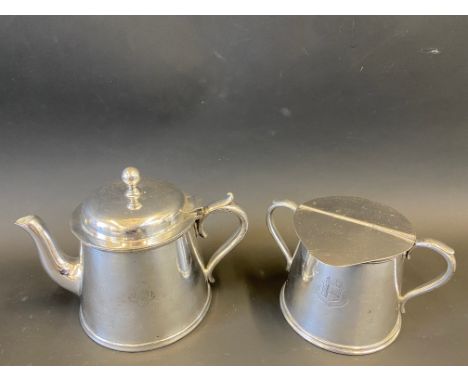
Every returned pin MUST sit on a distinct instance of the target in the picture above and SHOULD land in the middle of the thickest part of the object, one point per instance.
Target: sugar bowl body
(344, 287)
(140, 276)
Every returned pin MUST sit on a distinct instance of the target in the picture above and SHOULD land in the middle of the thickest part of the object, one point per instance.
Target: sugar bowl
(344, 288)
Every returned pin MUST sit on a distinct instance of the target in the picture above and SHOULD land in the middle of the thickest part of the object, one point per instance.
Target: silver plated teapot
(140, 276)
(343, 291)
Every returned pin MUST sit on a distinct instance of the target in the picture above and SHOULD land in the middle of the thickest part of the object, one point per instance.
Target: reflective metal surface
(268, 107)
(133, 214)
(148, 296)
(65, 273)
(348, 230)
(144, 300)
(355, 308)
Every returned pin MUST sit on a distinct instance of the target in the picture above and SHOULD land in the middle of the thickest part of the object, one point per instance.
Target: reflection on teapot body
(140, 276)
(343, 291)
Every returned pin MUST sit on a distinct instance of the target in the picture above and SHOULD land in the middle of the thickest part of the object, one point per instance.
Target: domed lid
(345, 230)
(133, 214)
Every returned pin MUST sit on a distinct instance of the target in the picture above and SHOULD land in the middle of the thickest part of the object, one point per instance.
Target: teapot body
(141, 300)
(350, 310)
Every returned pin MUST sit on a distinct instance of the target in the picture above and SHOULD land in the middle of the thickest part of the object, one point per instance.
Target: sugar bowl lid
(132, 214)
(346, 230)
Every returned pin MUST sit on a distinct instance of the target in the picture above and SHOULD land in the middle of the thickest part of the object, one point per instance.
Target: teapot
(140, 276)
(344, 288)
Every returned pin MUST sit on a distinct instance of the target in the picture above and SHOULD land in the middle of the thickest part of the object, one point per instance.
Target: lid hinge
(199, 215)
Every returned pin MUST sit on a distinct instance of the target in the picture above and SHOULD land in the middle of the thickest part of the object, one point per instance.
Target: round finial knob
(131, 176)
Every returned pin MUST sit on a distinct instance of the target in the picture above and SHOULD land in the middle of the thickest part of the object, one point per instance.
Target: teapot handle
(274, 231)
(448, 254)
(226, 205)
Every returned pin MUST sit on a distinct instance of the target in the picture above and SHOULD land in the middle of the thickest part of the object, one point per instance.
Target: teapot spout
(67, 274)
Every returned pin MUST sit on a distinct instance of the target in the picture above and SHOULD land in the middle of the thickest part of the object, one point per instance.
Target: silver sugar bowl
(344, 288)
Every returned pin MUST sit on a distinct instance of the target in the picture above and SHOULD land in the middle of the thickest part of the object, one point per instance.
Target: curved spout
(53, 259)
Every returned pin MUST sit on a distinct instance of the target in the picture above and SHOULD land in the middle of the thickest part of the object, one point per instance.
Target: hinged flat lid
(346, 230)
(133, 214)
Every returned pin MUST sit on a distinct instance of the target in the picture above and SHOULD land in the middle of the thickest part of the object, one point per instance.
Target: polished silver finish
(274, 231)
(133, 214)
(226, 205)
(345, 231)
(64, 272)
(131, 177)
(158, 289)
(332, 300)
(449, 256)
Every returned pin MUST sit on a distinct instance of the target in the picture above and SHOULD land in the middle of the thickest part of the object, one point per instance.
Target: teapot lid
(346, 230)
(133, 214)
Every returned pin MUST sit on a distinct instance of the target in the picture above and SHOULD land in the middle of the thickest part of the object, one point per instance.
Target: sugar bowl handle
(274, 231)
(449, 256)
(225, 205)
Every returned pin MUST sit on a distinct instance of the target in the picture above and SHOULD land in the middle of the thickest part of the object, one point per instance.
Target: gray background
(265, 107)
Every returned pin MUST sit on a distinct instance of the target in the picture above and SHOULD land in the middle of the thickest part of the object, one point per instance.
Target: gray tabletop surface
(265, 107)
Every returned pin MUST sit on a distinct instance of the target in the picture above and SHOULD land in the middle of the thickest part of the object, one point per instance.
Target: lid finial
(131, 177)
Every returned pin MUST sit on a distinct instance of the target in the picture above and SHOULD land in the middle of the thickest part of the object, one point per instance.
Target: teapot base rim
(140, 347)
